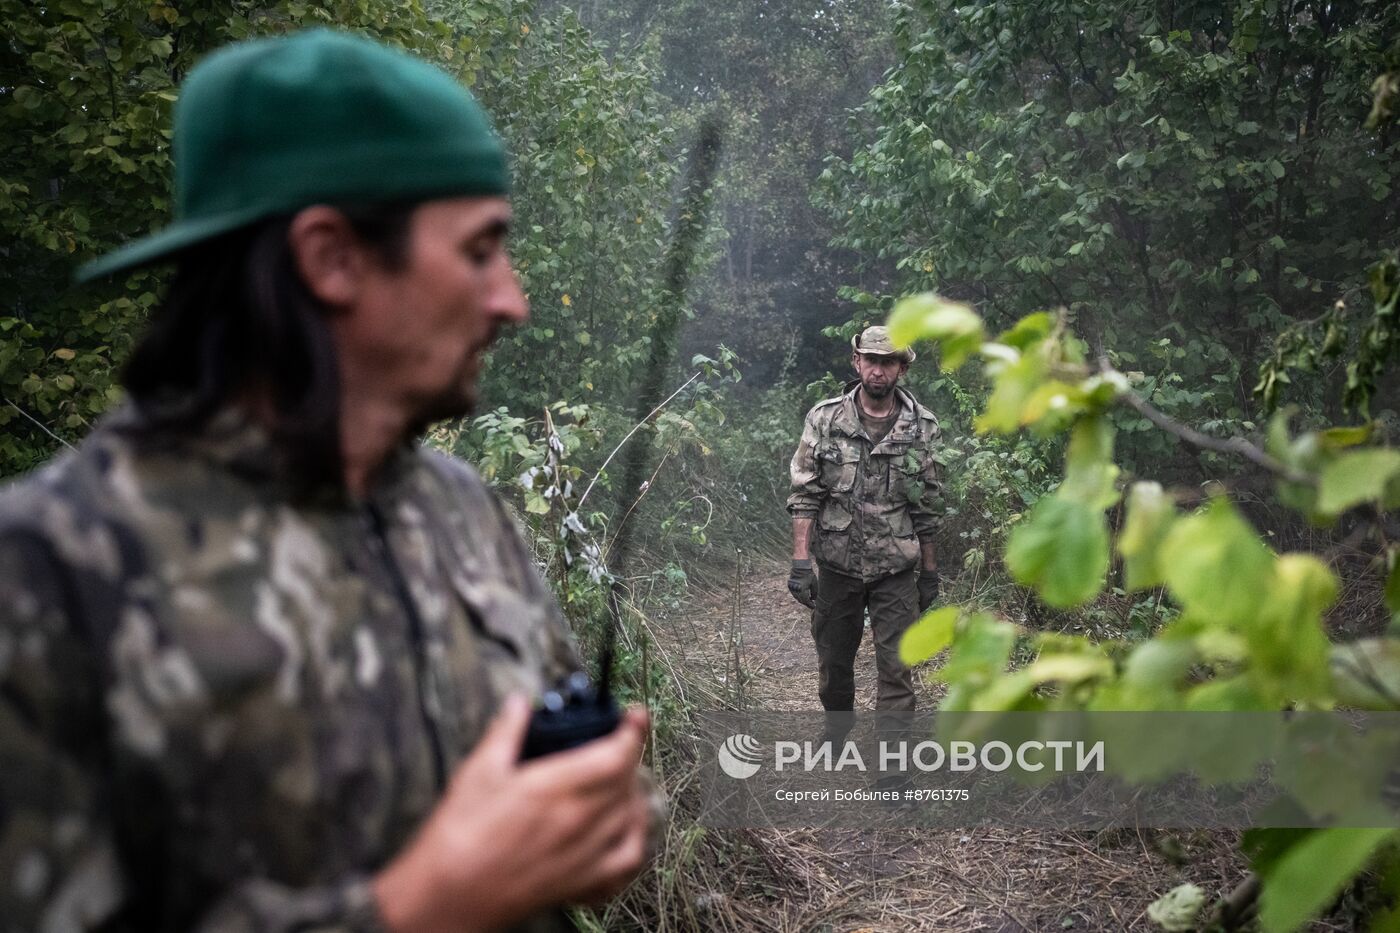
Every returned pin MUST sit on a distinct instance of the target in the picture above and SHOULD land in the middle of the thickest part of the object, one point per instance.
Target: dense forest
(1147, 252)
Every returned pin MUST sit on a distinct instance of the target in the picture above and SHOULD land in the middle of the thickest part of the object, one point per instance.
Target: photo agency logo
(740, 756)
(1040, 770)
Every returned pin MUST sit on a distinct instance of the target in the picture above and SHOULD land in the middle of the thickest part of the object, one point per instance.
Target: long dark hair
(238, 318)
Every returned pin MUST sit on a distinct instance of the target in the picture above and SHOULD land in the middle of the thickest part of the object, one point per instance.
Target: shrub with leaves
(1250, 634)
(1185, 179)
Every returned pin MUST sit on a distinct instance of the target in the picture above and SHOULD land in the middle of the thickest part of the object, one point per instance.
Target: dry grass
(744, 643)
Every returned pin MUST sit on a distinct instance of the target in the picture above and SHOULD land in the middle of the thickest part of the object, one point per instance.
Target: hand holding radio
(510, 837)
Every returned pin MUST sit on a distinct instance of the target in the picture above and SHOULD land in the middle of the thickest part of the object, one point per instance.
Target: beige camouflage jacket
(872, 504)
(220, 711)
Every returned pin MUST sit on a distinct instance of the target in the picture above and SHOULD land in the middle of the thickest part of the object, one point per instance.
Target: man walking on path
(864, 492)
(264, 660)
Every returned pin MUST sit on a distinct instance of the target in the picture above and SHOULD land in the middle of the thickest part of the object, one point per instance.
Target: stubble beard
(876, 392)
(458, 400)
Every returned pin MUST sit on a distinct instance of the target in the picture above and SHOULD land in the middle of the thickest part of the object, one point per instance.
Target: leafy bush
(1250, 633)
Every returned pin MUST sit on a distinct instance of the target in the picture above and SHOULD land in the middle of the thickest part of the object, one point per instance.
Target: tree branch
(1235, 446)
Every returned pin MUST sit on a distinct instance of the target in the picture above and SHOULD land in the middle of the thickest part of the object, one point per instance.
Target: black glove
(928, 589)
(802, 583)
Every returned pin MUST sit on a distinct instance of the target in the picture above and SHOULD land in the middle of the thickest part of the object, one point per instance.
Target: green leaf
(27, 97)
(928, 636)
(1306, 879)
(928, 316)
(1051, 405)
(1060, 549)
(1090, 474)
(1289, 647)
(1016, 384)
(1028, 331)
(1157, 666)
(1341, 438)
(1224, 694)
(1216, 565)
(1355, 477)
(1068, 668)
(980, 649)
(1150, 516)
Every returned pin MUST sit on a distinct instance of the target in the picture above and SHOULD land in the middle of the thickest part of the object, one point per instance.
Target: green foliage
(1062, 550)
(1215, 564)
(1250, 635)
(1150, 516)
(1307, 877)
(783, 77)
(959, 330)
(1183, 180)
(1392, 583)
(1367, 343)
(594, 163)
(86, 88)
(1357, 477)
(85, 100)
(929, 635)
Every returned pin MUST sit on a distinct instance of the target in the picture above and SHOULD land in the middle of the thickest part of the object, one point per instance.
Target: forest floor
(845, 881)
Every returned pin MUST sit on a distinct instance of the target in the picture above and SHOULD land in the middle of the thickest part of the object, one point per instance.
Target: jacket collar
(904, 431)
(235, 441)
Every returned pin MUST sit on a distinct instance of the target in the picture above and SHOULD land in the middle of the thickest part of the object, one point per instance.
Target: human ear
(329, 257)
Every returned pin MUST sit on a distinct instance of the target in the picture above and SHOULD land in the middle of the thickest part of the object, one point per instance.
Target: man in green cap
(264, 661)
(863, 504)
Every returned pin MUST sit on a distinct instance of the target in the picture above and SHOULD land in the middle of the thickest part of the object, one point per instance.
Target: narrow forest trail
(921, 880)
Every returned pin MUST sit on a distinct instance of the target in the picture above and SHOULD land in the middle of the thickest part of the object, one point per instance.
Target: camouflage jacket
(222, 711)
(872, 504)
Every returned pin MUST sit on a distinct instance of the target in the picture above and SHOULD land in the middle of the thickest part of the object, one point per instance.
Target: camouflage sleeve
(926, 511)
(58, 863)
(806, 491)
(61, 865)
(347, 906)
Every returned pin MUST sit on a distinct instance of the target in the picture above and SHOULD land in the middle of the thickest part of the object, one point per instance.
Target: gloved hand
(802, 583)
(928, 588)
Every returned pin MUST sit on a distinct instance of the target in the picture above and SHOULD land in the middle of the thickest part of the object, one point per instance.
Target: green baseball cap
(270, 126)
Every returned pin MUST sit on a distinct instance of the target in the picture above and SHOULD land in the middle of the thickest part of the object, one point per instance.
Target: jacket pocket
(837, 466)
(835, 515)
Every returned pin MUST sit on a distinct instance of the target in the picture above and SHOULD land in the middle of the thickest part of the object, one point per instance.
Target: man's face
(878, 374)
(420, 330)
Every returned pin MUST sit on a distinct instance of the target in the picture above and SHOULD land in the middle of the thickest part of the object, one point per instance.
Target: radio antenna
(689, 227)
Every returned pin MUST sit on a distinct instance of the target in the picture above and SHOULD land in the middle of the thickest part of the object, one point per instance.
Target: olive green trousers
(838, 622)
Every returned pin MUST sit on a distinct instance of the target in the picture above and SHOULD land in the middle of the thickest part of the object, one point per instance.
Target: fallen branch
(43, 427)
(635, 428)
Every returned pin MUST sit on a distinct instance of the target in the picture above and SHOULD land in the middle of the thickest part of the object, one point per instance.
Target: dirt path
(869, 880)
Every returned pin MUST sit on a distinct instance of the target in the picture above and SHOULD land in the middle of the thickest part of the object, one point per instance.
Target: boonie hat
(270, 126)
(875, 341)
